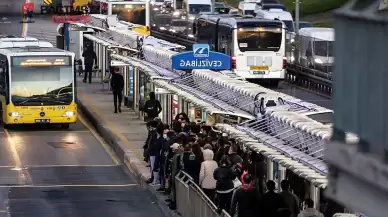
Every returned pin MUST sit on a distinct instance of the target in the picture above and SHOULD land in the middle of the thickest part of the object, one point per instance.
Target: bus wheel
(65, 126)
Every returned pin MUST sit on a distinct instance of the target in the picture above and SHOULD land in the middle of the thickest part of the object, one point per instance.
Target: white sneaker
(155, 185)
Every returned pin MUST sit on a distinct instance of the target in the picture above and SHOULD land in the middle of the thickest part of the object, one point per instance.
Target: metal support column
(314, 195)
(67, 36)
(125, 91)
(169, 109)
(186, 107)
(165, 110)
(269, 169)
(281, 174)
(99, 60)
(131, 84)
(103, 66)
(136, 91)
(148, 14)
(180, 104)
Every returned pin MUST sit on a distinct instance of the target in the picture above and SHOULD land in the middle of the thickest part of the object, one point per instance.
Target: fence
(191, 201)
(313, 53)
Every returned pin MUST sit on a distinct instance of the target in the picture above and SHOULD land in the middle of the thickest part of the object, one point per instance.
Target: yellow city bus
(37, 83)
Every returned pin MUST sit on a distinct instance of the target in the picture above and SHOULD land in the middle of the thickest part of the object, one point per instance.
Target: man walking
(117, 85)
(89, 57)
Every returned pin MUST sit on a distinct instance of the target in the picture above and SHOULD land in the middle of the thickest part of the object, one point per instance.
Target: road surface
(52, 172)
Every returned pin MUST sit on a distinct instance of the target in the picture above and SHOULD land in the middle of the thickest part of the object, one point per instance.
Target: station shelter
(141, 79)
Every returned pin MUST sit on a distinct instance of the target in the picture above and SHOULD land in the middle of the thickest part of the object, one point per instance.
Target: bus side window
(229, 42)
(2, 77)
(221, 44)
(309, 51)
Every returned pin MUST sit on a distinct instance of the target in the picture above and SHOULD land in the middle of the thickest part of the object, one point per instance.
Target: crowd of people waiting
(227, 174)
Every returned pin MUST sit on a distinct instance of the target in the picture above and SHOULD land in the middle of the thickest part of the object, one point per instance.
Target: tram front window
(41, 81)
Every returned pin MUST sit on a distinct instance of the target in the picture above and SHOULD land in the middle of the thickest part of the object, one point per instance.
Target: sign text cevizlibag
(201, 58)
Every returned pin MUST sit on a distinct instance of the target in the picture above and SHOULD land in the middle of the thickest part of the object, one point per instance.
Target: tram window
(2, 79)
(2, 76)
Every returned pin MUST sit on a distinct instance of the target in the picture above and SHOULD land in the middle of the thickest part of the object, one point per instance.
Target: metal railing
(191, 201)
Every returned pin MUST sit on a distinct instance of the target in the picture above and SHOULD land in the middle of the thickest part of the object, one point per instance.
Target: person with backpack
(152, 107)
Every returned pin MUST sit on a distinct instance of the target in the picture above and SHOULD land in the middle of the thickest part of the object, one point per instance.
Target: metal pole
(148, 14)
(297, 37)
(67, 36)
(297, 13)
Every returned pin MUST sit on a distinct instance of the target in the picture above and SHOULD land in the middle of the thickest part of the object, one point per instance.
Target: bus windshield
(259, 37)
(38, 80)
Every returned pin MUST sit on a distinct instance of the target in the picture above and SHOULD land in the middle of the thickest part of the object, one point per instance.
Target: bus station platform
(125, 132)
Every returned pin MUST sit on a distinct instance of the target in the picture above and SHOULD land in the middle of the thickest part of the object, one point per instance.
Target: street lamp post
(297, 37)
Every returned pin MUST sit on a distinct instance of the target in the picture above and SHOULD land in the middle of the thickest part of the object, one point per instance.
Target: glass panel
(130, 84)
(142, 86)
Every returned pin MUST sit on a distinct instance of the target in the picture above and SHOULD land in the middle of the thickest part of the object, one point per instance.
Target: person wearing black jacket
(271, 201)
(152, 107)
(117, 85)
(154, 149)
(189, 162)
(233, 156)
(89, 57)
(224, 175)
(246, 198)
(152, 136)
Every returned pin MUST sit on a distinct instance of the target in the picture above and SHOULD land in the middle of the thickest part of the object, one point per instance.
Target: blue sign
(201, 58)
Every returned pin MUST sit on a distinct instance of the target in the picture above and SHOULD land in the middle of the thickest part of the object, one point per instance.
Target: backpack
(238, 169)
(182, 163)
(152, 108)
